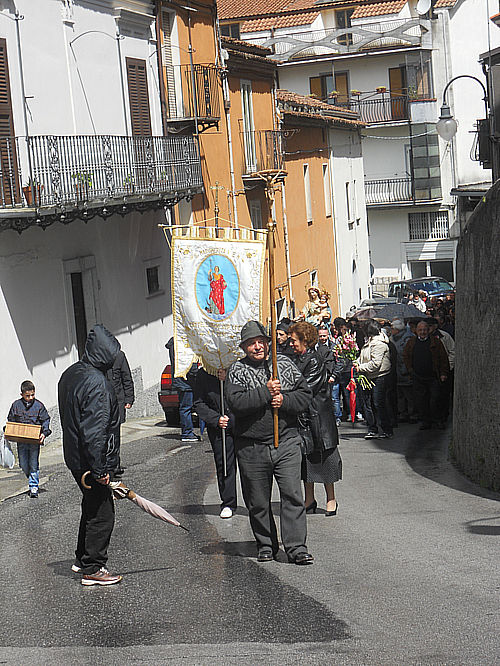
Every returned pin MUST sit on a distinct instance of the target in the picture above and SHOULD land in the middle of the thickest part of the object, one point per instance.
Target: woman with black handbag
(317, 427)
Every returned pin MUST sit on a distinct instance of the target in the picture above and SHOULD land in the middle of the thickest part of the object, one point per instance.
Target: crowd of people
(379, 372)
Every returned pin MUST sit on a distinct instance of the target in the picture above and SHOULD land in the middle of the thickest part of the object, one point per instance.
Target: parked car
(168, 398)
(379, 300)
(433, 286)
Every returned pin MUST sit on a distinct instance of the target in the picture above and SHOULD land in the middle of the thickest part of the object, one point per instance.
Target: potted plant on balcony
(82, 181)
(32, 191)
(356, 93)
(129, 184)
(381, 89)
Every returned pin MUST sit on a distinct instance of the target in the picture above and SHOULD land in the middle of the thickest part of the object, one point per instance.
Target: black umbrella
(400, 311)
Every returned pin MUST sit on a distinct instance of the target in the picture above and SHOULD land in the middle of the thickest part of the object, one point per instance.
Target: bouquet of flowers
(346, 348)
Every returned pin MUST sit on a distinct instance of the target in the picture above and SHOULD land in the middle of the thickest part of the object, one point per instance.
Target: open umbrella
(400, 311)
(120, 491)
(351, 387)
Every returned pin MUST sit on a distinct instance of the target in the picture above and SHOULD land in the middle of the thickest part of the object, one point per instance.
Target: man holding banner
(251, 395)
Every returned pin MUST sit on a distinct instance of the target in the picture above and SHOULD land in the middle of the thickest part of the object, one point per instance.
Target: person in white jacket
(374, 363)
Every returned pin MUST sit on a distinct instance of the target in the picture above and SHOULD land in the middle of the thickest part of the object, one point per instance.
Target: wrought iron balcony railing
(261, 150)
(331, 41)
(193, 93)
(381, 109)
(388, 190)
(42, 171)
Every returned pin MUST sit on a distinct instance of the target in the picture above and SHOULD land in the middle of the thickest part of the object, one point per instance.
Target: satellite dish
(423, 6)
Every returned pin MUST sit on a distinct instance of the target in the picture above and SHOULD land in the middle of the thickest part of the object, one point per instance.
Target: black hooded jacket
(88, 407)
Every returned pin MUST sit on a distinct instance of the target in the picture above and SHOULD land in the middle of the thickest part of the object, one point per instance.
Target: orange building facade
(224, 91)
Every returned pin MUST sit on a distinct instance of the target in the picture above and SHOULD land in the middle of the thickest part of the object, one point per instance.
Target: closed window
(230, 30)
(327, 191)
(153, 276)
(248, 126)
(256, 214)
(434, 225)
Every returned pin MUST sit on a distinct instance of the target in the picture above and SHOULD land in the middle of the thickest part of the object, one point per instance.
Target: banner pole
(222, 410)
(270, 245)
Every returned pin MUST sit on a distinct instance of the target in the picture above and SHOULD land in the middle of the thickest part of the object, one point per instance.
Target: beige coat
(374, 360)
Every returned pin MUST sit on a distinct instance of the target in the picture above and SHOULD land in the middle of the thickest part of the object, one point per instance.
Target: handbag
(310, 431)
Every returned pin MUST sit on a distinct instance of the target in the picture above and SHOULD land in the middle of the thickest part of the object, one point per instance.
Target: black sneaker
(371, 435)
(190, 438)
(34, 493)
(385, 435)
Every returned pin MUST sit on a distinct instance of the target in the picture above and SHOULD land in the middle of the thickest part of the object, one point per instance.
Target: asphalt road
(407, 573)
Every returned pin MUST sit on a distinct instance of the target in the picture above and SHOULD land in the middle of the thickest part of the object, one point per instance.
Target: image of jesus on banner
(216, 297)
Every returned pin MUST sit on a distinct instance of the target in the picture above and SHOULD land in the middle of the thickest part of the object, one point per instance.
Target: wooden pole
(270, 246)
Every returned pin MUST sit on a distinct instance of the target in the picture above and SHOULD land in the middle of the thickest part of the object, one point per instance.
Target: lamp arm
(467, 76)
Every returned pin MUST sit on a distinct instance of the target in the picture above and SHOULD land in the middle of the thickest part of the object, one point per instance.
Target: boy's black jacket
(88, 407)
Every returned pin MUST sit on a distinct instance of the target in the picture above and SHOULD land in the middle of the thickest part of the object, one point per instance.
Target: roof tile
(228, 9)
(440, 4)
(379, 8)
(287, 21)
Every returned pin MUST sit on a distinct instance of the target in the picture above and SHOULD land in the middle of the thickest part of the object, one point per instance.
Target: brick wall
(476, 426)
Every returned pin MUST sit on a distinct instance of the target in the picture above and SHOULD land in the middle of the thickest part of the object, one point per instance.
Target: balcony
(262, 151)
(193, 94)
(340, 41)
(68, 177)
(382, 109)
(388, 191)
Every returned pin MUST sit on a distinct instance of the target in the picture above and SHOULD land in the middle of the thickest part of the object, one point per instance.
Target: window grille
(429, 226)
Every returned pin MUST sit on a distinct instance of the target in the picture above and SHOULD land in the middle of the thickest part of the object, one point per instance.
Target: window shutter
(138, 97)
(168, 66)
(9, 177)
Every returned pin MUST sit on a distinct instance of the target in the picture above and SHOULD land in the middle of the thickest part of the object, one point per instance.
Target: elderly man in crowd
(449, 344)
(427, 362)
(400, 334)
(251, 395)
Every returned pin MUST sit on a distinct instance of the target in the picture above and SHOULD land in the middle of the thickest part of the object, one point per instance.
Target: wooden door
(9, 176)
(342, 87)
(141, 122)
(398, 90)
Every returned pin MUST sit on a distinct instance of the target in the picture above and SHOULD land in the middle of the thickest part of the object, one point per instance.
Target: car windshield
(431, 286)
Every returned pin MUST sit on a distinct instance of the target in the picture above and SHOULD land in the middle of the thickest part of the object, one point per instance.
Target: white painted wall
(351, 239)
(36, 322)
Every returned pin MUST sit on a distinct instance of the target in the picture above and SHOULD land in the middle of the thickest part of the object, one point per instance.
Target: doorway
(82, 302)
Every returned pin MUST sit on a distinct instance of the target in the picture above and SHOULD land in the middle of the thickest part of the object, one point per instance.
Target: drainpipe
(18, 18)
(334, 224)
(227, 111)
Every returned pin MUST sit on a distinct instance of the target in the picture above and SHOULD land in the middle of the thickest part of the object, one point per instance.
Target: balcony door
(248, 127)
(167, 24)
(9, 176)
(398, 86)
(140, 118)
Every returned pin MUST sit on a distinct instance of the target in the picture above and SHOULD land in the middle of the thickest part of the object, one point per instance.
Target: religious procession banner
(216, 288)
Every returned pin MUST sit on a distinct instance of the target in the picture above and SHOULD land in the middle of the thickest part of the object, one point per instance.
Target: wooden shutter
(138, 97)
(9, 177)
(168, 66)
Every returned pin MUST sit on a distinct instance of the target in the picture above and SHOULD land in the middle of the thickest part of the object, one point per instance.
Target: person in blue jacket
(30, 410)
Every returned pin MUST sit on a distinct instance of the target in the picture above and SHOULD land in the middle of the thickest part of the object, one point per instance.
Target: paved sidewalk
(13, 482)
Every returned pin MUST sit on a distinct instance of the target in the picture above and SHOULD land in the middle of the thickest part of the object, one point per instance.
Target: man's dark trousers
(428, 400)
(96, 525)
(258, 464)
(227, 484)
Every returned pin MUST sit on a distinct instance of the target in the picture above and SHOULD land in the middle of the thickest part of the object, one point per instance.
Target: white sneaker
(226, 512)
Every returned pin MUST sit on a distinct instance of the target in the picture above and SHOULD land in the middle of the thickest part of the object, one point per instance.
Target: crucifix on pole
(217, 187)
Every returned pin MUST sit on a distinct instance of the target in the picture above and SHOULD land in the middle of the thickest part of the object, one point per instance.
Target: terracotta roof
(228, 9)
(286, 96)
(379, 8)
(439, 4)
(334, 120)
(245, 47)
(287, 21)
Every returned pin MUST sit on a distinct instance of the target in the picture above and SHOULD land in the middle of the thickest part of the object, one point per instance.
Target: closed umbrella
(351, 387)
(121, 491)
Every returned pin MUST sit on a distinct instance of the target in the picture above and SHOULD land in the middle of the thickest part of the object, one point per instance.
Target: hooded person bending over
(251, 395)
(90, 419)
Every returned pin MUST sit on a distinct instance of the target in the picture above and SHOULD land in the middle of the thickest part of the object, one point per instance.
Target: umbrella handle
(82, 481)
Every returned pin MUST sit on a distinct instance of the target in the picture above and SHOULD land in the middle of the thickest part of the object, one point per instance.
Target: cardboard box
(23, 433)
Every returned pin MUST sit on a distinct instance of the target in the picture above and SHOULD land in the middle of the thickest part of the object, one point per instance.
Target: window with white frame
(307, 191)
(153, 277)
(248, 126)
(327, 191)
(433, 225)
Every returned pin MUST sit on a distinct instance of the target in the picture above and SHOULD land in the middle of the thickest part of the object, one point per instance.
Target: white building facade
(391, 63)
(86, 177)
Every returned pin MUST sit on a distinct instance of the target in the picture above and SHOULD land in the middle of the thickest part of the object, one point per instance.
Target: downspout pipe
(19, 17)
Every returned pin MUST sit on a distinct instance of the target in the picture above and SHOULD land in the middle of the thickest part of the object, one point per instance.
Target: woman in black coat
(317, 426)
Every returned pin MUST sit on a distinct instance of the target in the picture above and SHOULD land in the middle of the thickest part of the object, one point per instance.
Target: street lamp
(446, 126)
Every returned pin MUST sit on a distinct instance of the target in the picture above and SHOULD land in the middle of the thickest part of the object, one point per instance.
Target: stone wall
(476, 423)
